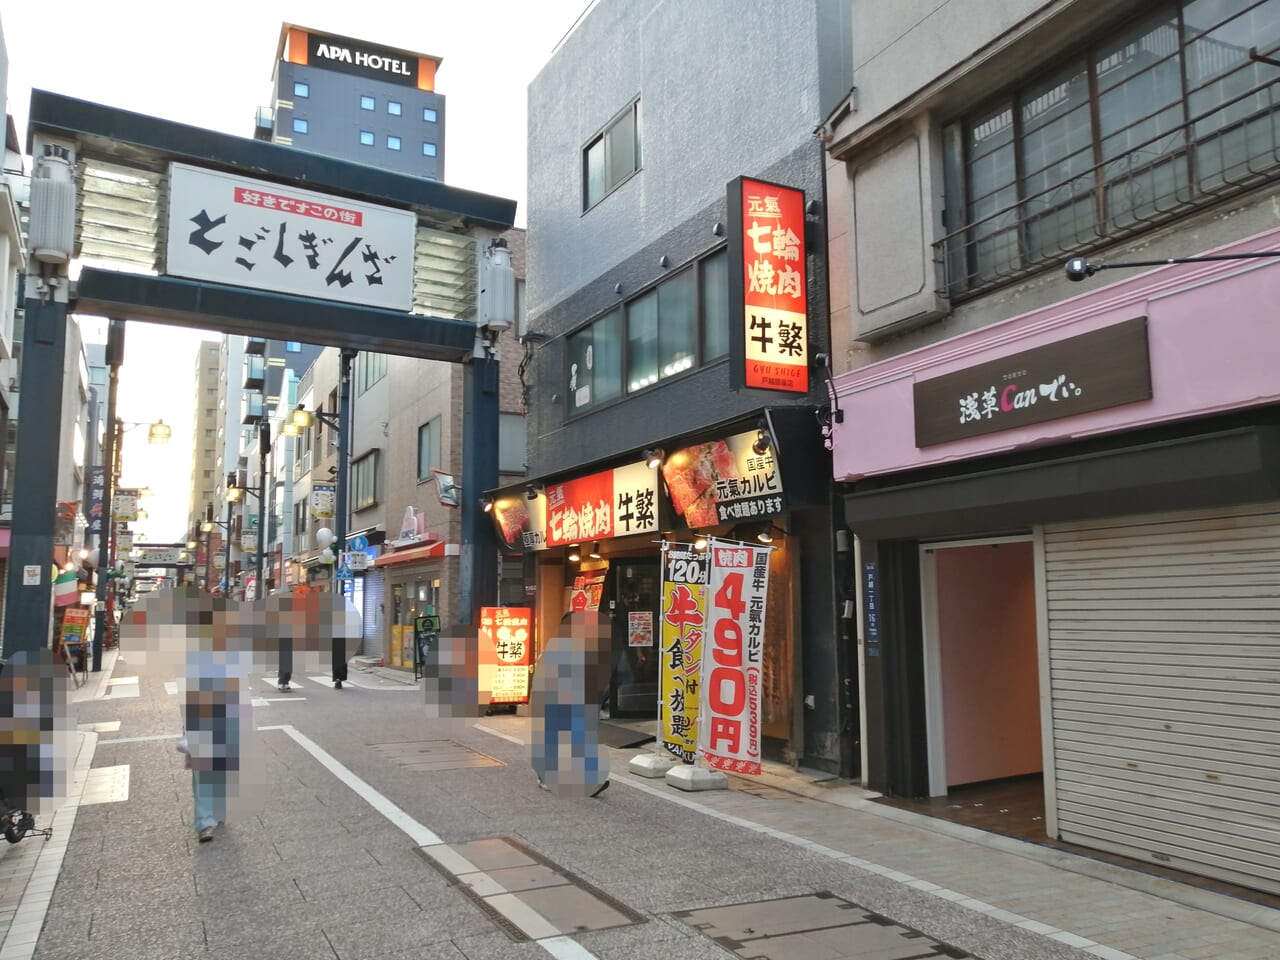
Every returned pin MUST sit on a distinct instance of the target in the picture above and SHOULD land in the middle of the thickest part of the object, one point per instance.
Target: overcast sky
(214, 70)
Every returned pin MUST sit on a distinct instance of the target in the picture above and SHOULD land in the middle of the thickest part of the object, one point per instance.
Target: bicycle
(75, 654)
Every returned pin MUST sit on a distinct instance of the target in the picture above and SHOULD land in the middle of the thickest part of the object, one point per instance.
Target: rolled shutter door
(374, 590)
(1164, 659)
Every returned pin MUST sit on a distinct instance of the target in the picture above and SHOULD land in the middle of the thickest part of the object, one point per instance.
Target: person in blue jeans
(567, 685)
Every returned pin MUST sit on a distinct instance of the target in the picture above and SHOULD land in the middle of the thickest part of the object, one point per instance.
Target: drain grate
(817, 925)
(523, 892)
(429, 755)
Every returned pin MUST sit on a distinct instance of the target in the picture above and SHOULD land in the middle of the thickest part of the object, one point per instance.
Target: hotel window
(394, 108)
(612, 157)
(364, 481)
(301, 89)
(1156, 117)
(393, 143)
(292, 346)
(300, 125)
(429, 114)
(366, 138)
(368, 103)
(428, 149)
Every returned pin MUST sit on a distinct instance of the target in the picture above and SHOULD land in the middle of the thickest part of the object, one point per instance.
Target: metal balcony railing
(1096, 194)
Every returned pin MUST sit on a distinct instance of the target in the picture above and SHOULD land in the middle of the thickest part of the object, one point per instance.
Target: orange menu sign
(506, 653)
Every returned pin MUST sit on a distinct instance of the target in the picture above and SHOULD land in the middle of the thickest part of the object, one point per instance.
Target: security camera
(1079, 268)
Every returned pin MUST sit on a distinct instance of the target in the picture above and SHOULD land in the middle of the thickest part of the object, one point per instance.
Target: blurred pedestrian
(568, 682)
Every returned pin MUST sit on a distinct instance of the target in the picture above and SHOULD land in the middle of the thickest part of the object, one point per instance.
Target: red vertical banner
(506, 653)
(769, 294)
(729, 724)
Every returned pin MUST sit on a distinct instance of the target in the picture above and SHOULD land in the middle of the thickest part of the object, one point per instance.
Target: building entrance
(981, 662)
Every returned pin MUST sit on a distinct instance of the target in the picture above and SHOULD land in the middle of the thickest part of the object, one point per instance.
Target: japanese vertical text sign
(768, 296)
(249, 233)
(729, 727)
(684, 623)
(506, 653)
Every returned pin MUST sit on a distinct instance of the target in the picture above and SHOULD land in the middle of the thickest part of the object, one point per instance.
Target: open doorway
(981, 664)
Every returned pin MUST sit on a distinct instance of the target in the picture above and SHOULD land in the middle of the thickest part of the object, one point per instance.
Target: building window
(1153, 119)
(292, 346)
(300, 125)
(428, 149)
(429, 114)
(364, 481)
(394, 108)
(209, 411)
(612, 157)
(366, 138)
(301, 89)
(670, 328)
(512, 444)
(370, 368)
(428, 448)
(368, 103)
(393, 143)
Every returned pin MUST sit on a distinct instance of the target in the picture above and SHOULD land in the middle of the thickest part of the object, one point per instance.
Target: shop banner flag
(684, 616)
(729, 730)
(66, 589)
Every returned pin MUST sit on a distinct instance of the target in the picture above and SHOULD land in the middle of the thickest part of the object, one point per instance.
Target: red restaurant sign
(768, 297)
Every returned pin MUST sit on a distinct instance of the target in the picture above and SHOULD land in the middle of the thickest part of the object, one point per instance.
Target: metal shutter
(375, 581)
(1163, 636)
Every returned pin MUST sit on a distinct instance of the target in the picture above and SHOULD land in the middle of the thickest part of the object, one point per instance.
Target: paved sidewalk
(330, 863)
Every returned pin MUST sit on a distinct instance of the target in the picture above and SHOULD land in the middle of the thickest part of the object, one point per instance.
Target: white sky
(213, 71)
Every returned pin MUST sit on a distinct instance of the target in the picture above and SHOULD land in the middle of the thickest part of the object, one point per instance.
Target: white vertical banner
(729, 723)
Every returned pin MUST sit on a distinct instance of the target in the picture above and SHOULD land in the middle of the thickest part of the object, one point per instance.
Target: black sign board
(362, 59)
(1093, 371)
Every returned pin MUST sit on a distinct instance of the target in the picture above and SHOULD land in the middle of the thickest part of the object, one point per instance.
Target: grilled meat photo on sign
(513, 516)
(691, 476)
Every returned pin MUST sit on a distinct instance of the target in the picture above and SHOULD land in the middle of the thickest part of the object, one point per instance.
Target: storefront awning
(426, 551)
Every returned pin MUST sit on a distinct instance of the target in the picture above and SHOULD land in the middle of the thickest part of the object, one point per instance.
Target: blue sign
(871, 598)
(358, 544)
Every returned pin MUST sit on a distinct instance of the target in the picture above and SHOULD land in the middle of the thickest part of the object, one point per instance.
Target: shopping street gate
(179, 225)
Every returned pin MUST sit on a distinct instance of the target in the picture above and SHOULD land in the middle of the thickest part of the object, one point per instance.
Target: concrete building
(629, 287)
(204, 448)
(1062, 481)
(356, 100)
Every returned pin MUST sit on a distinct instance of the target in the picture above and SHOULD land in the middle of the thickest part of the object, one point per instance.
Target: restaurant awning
(425, 551)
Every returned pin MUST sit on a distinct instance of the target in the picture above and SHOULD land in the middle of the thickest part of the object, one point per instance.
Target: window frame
(368, 138)
(359, 500)
(394, 142)
(395, 108)
(433, 152)
(434, 118)
(1126, 193)
(694, 264)
(434, 454)
(367, 102)
(302, 89)
(300, 125)
(604, 137)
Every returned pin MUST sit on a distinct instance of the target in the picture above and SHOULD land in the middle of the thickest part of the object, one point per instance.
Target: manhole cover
(818, 925)
(524, 893)
(429, 755)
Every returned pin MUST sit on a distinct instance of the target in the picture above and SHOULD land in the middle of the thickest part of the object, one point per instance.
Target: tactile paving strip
(820, 926)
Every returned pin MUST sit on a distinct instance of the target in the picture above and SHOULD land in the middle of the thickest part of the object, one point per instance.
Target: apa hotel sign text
(366, 60)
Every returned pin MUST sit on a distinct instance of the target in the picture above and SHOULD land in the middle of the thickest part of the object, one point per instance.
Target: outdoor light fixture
(765, 535)
(301, 417)
(486, 504)
(531, 490)
(653, 458)
(159, 432)
(290, 429)
(699, 541)
(574, 555)
(762, 442)
(233, 494)
(1079, 268)
(206, 526)
(595, 550)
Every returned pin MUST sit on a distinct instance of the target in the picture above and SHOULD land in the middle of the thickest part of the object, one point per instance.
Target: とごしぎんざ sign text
(768, 292)
(1093, 371)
